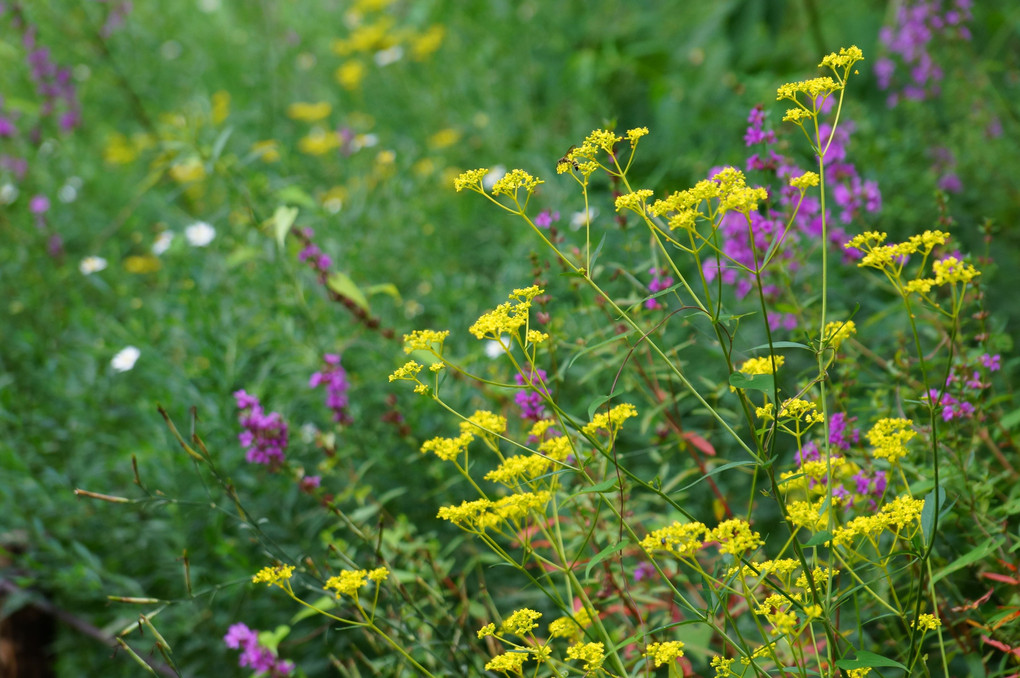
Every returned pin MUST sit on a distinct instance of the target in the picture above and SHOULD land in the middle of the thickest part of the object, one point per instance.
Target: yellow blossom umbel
(521, 622)
(347, 582)
(592, 654)
(274, 574)
(664, 653)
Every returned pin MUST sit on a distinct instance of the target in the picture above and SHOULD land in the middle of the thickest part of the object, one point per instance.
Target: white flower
(579, 219)
(125, 359)
(199, 234)
(90, 265)
(494, 349)
(163, 241)
(495, 174)
(386, 57)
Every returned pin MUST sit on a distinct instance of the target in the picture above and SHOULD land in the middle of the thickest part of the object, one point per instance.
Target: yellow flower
(806, 180)
(889, 437)
(319, 141)
(634, 134)
(592, 654)
(409, 371)
(306, 112)
(682, 540)
(486, 631)
(521, 622)
(507, 318)
(812, 88)
(735, 536)
(762, 365)
(664, 653)
(513, 180)
(379, 575)
(484, 423)
(350, 74)
(952, 270)
(448, 449)
(444, 138)
(928, 622)
(278, 575)
(220, 106)
(187, 171)
(634, 201)
(423, 340)
(846, 58)
(508, 662)
(424, 45)
(470, 179)
(837, 332)
(347, 582)
(611, 421)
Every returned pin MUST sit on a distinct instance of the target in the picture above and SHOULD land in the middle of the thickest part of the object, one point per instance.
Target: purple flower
(838, 436)
(308, 484)
(39, 204)
(545, 218)
(259, 658)
(993, 363)
(334, 377)
(644, 570)
(264, 435)
(532, 403)
(660, 281)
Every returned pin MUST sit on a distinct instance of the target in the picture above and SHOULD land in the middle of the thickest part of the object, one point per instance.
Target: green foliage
(353, 119)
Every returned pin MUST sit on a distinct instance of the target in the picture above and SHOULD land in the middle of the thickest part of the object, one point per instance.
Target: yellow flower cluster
(634, 134)
(777, 611)
(928, 622)
(471, 179)
(837, 332)
(846, 58)
(592, 654)
(889, 437)
(508, 317)
(664, 653)
(448, 449)
(762, 365)
(521, 622)
(519, 468)
(806, 180)
(792, 408)
(482, 514)
(611, 421)
(812, 89)
(682, 540)
(728, 187)
(514, 180)
(409, 371)
(890, 259)
(894, 516)
(484, 423)
(558, 448)
(634, 201)
(347, 582)
(570, 627)
(722, 667)
(508, 662)
(807, 515)
(425, 340)
(735, 536)
(277, 574)
(306, 112)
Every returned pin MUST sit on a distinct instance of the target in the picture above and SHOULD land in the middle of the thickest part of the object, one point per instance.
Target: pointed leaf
(755, 382)
(341, 284)
(281, 221)
(602, 555)
(867, 659)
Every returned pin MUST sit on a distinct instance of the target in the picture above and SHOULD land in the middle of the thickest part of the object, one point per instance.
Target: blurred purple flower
(532, 403)
(334, 377)
(264, 435)
(254, 655)
(545, 218)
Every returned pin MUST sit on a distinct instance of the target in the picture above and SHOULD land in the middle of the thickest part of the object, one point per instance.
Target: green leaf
(595, 405)
(755, 382)
(602, 555)
(220, 142)
(321, 603)
(717, 469)
(867, 659)
(781, 344)
(602, 487)
(975, 554)
(242, 255)
(281, 221)
(341, 284)
(819, 538)
(295, 195)
(384, 288)
(931, 505)
(598, 249)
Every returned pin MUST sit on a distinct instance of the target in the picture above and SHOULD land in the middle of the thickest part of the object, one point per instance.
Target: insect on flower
(566, 159)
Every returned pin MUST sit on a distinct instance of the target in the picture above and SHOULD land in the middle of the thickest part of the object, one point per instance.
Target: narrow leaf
(867, 659)
(281, 221)
(755, 382)
(341, 284)
(602, 555)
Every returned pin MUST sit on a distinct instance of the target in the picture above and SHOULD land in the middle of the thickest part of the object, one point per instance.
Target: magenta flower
(259, 658)
(264, 435)
(334, 377)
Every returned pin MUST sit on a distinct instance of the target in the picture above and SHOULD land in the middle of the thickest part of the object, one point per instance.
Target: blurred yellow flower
(220, 106)
(350, 74)
(308, 112)
(319, 141)
(423, 46)
(444, 138)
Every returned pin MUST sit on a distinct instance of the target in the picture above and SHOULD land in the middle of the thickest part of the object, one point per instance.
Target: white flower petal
(90, 265)
(199, 234)
(125, 359)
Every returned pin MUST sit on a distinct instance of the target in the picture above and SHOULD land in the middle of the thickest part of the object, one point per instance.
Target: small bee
(566, 159)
